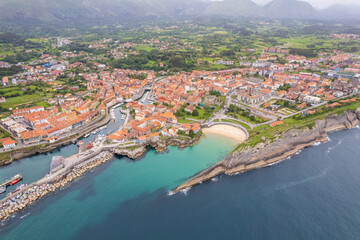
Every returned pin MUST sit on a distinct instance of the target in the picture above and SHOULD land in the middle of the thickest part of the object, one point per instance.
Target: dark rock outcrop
(263, 155)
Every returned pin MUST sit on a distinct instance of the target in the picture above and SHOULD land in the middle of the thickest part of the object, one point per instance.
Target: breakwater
(33, 192)
(264, 155)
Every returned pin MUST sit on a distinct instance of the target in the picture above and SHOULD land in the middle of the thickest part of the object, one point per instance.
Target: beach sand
(228, 131)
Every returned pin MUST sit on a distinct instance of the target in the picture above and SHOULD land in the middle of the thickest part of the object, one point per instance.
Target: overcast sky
(318, 3)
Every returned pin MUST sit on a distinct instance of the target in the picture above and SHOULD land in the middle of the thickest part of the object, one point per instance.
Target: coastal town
(77, 97)
(262, 93)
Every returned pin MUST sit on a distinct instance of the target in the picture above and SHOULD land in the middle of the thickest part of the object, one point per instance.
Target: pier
(8, 182)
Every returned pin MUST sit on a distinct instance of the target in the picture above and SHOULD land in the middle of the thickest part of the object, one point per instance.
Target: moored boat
(2, 189)
(15, 179)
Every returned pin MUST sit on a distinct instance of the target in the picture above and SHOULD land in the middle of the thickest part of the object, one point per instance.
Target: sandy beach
(232, 132)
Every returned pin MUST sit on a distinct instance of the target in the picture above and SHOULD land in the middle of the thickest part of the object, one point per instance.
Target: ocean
(313, 195)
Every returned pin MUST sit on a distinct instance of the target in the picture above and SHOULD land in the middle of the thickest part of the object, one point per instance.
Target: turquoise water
(313, 195)
(90, 200)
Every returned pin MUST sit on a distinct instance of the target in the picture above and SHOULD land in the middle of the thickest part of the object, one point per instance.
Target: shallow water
(312, 195)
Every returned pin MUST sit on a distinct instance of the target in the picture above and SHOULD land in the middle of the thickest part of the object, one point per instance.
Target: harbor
(87, 153)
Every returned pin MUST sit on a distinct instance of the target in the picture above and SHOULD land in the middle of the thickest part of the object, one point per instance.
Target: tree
(195, 113)
(207, 106)
(191, 133)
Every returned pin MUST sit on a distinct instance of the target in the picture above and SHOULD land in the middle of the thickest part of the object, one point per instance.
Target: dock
(7, 182)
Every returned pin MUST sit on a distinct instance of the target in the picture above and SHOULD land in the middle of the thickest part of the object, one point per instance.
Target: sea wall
(51, 182)
(263, 155)
(31, 193)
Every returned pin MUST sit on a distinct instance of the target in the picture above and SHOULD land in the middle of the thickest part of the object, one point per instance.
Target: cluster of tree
(233, 110)
(181, 113)
(309, 53)
(10, 71)
(172, 60)
(215, 93)
(285, 87)
(11, 38)
(286, 104)
(140, 76)
(21, 57)
(227, 53)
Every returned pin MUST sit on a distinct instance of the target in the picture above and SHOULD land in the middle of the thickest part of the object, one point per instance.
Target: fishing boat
(87, 135)
(15, 179)
(2, 189)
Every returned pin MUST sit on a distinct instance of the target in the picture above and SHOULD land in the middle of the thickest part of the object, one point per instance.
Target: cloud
(317, 3)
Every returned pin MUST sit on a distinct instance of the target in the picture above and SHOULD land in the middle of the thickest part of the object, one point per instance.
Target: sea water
(312, 195)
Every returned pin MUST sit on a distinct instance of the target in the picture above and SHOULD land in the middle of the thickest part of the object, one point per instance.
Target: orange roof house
(274, 124)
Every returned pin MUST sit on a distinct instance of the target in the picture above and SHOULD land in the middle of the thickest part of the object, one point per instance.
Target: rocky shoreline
(35, 191)
(159, 146)
(264, 155)
(31, 193)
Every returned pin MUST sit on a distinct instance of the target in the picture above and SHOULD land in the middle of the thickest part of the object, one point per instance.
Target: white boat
(93, 132)
(3, 189)
(87, 135)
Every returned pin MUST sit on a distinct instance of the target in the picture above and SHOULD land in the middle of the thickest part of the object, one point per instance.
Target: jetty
(8, 182)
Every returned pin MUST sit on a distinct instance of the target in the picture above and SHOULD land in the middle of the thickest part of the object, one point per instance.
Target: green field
(3, 133)
(21, 101)
(247, 127)
(266, 133)
(183, 121)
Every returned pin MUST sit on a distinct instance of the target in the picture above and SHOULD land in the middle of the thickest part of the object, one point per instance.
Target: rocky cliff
(159, 146)
(264, 155)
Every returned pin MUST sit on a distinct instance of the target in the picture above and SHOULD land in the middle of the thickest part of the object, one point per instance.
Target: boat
(11, 193)
(15, 179)
(87, 135)
(93, 132)
(2, 189)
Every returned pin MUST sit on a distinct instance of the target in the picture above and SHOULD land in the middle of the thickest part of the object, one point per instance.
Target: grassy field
(247, 119)
(3, 133)
(144, 47)
(247, 127)
(266, 133)
(26, 100)
(183, 121)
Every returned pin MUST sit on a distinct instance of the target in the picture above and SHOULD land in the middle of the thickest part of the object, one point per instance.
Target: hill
(340, 11)
(85, 11)
(291, 9)
(234, 8)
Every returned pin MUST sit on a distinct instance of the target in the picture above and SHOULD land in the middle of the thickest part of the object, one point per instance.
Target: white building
(312, 100)
(9, 144)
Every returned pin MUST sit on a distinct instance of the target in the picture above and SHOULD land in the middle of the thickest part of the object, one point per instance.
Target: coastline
(50, 183)
(263, 156)
(234, 133)
(237, 162)
(18, 154)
